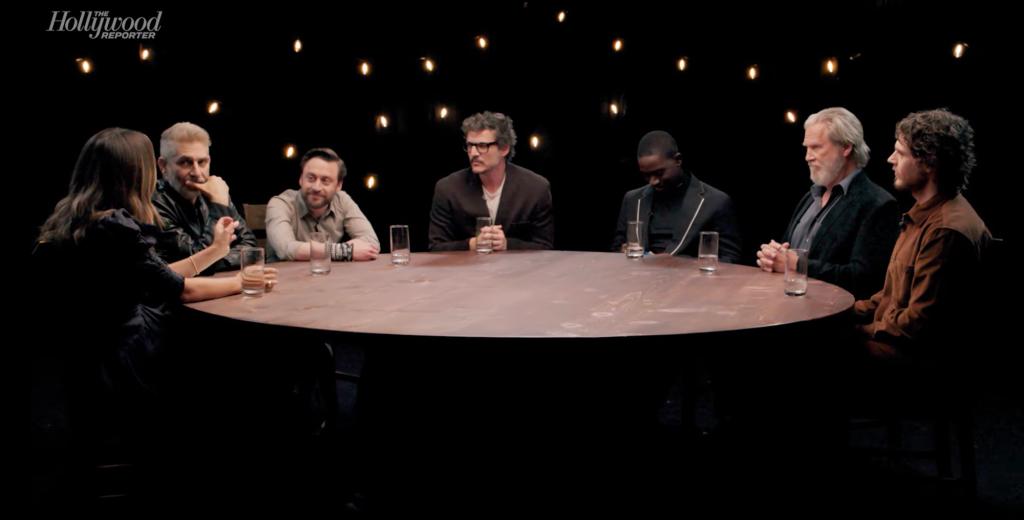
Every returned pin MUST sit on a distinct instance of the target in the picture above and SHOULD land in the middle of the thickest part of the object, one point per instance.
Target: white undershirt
(493, 199)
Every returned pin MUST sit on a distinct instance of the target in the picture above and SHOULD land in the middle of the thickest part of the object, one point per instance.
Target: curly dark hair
(942, 141)
(500, 123)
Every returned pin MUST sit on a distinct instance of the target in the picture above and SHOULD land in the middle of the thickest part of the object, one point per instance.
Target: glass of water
(707, 252)
(795, 274)
(483, 238)
(634, 241)
(253, 261)
(400, 244)
(319, 253)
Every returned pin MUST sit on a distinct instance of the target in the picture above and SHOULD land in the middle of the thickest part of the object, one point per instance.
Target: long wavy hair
(116, 169)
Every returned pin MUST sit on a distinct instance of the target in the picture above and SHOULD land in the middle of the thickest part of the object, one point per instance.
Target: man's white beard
(826, 175)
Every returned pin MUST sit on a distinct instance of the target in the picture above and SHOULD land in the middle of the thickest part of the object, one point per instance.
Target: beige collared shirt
(289, 223)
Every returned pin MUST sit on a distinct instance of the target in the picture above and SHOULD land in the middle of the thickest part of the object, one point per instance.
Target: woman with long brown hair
(103, 290)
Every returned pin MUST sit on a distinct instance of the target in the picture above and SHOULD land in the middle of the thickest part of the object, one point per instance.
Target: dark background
(552, 79)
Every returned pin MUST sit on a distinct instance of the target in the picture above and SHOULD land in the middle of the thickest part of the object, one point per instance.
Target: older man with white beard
(847, 223)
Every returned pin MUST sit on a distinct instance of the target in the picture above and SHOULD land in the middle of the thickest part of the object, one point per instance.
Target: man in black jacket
(675, 206)
(847, 223)
(517, 200)
(190, 200)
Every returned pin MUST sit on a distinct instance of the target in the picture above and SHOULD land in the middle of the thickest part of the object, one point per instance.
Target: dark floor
(479, 458)
(677, 468)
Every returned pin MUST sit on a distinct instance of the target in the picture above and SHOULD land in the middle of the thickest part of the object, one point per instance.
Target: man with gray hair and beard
(191, 200)
(847, 223)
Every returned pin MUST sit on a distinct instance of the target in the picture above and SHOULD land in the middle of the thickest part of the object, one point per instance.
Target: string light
(84, 65)
(371, 181)
(959, 49)
(830, 66)
(560, 17)
(289, 151)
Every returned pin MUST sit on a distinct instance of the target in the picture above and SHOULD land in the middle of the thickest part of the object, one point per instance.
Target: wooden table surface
(530, 294)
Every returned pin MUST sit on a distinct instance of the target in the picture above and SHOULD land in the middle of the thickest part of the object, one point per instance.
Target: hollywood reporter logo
(100, 25)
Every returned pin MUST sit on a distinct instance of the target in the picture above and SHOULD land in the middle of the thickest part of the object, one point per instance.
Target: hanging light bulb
(831, 66)
(959, 49)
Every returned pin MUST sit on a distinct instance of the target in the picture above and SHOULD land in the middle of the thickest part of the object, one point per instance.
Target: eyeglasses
(480, 147)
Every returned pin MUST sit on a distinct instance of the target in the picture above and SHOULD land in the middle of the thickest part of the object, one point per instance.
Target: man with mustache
(319, 205)
(935, 264)
(847, 223)
(517, 200)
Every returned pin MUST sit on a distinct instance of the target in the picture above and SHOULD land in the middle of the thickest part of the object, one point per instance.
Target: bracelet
(190, 259)
(341, 252)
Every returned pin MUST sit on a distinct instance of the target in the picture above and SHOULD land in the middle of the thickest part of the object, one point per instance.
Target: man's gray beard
(827, 178)
(181, 189)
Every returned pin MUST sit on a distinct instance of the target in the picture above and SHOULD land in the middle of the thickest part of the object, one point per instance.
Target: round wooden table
(519, 363)
(530, 294)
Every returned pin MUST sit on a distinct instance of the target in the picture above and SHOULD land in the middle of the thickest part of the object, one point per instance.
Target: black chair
(944, 407)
